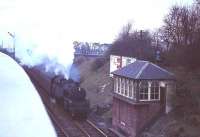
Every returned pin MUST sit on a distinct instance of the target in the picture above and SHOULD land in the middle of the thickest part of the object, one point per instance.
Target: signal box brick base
(131, 119)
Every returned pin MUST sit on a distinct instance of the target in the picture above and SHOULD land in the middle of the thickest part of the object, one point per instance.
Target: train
(66, 92)
(71, 95)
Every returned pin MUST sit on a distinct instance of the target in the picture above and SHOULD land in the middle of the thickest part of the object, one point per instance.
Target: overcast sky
(84, 20)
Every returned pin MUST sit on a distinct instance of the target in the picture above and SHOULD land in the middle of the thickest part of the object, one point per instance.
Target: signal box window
(154, 95)
(143, 90)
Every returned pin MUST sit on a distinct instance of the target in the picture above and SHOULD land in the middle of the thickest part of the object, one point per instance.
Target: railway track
(90, 129)
(65, 126)
(58, 128)
(61, 121)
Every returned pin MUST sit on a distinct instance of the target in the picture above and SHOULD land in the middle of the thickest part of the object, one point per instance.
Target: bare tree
(182, 32)
(133, 43)
(125, 32)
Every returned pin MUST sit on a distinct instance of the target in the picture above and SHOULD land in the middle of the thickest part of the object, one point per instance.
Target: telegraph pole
(13, 36)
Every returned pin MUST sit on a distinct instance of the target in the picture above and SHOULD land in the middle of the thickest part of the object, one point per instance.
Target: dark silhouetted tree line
(133, 43)
(181, 31)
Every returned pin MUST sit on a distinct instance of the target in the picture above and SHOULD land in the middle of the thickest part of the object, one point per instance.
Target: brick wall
(132, 119)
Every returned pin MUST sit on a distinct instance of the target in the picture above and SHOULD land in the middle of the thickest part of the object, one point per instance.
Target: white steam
(51, 49)
(45, 47)
(40, 34)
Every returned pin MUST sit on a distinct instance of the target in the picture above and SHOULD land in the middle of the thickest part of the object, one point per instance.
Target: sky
(82, 20)
(22, 111)
(47, 28)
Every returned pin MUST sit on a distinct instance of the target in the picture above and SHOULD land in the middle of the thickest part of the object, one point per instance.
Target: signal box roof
(144, 70)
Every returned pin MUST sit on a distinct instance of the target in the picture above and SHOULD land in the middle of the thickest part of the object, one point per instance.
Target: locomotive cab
(56, 90)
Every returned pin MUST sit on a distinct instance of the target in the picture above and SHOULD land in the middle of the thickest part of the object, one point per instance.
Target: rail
(67, 129)
(99, 130)
(89, 129)
(59, 130)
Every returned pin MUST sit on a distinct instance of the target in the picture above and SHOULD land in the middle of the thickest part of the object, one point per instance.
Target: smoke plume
(39, 35)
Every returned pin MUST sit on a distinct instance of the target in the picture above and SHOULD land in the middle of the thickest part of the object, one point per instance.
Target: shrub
(98, 63)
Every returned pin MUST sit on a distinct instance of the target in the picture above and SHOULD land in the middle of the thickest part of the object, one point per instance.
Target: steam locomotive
(71, 95)
(64, 91)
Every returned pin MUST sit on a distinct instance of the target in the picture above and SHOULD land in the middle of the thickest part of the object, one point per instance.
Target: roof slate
(144, 70)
